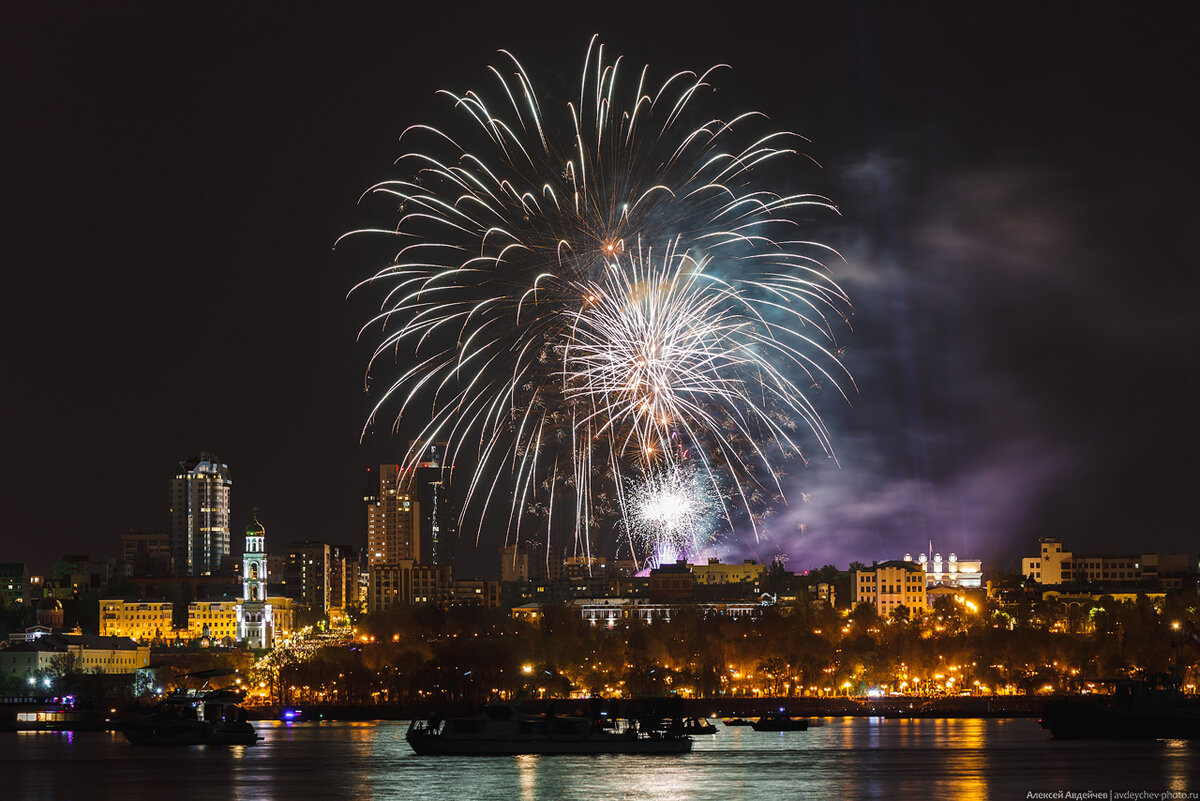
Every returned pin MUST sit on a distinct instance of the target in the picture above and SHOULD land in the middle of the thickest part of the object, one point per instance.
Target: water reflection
(527, 770)
(1178, 757)
(847, 758)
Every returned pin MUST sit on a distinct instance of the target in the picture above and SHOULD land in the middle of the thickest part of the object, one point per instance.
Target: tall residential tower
(391, 521)
(436, 514)
(200, 516)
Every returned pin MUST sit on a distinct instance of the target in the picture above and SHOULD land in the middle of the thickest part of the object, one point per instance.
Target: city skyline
(1014, 224)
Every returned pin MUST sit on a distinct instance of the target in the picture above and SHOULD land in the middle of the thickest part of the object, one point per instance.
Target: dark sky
(1018, 215)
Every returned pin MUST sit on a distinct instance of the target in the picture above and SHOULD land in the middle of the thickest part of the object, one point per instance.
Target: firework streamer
(575, 286)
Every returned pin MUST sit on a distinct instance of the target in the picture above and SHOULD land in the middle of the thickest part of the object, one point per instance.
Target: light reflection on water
(846, 758)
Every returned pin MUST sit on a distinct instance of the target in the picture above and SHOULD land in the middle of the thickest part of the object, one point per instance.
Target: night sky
(1018, 201)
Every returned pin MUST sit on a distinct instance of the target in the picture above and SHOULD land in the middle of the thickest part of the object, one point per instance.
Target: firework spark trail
(524, 290)
(671, 514)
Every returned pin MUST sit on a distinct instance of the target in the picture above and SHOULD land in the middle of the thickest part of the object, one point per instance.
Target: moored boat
(193, 718)
(1149, 709)
(502, 729)
(36, 713)
(734, 722)
(778, 721)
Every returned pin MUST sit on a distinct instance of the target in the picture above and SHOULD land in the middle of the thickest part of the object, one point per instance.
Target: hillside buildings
(1054, 566)
(85, 652)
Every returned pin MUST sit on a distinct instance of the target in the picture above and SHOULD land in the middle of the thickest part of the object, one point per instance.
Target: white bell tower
(255, 623)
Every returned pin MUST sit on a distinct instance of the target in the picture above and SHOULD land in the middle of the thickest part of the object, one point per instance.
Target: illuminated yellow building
(139, 620)
(890, 585)
(714, 572)
(84, 652)
(283, 612)
(217, 619)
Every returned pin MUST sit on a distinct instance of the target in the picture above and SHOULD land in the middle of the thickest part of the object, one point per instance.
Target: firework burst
(581, 287)
(672, 513)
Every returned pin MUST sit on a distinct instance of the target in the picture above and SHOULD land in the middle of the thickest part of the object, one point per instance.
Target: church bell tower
(255, 623)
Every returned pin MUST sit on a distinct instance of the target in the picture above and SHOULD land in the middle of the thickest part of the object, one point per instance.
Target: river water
(847, 758)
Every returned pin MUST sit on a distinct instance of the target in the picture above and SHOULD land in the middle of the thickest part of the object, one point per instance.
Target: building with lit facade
(283, 617)
(306, 576)
(470, 592)
(217, 620)
(435, 514)
(141, 620)
(405, 583)
(391, 521)
(255, 615)
(88, 652)
(12, 583)
(716, 573)
(609, 612)
(199, 503)
(890, 585)
(343, 580)
(952, 572)
(1053, 566)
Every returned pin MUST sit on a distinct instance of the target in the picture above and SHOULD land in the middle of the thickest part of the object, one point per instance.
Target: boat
(190, 717)
(734, 722)
(59, 713)
(698, 726)
(1146, 709)
(502, 729)
(779, 721)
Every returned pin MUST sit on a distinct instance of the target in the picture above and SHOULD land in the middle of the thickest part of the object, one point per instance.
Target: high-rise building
(200, 515)
(515, 563)
(343, 579)
(391, 521)
(436, 514)
(13, 579)
(307, 576)
(532, 562)
(147, 553)
(255, 614)
(370, 498)
(406, 583)
(138, 545)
